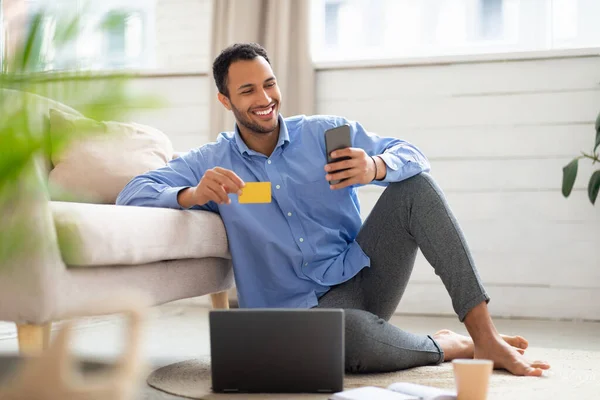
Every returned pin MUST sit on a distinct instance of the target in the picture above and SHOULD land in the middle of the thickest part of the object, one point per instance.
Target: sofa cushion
(97, 167)
(109, 235)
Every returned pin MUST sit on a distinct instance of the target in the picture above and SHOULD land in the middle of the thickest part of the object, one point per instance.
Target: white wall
(498, 135)
(183, 73)
(184, 116)
(182, 35)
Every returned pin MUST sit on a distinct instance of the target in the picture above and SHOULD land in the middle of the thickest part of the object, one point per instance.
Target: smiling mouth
(265, 113)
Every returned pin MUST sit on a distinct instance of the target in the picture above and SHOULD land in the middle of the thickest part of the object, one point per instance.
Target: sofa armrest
(31, 279)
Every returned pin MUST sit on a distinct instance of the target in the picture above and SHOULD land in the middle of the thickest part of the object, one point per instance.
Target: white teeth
(264, 112)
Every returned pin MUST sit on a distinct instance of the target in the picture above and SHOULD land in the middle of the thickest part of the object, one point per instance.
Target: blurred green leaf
(114, 21)
(594, 186)
(569, 175)
(12, 240)
(66, 32)
(16, 147)
(15, 234)
(597, 133)
(31, 54)
(25, 133)
(69, 242)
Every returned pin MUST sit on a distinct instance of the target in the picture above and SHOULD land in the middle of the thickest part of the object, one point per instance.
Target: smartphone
(335, 139)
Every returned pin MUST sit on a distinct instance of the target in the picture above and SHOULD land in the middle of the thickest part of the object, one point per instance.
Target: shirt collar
(283, 140)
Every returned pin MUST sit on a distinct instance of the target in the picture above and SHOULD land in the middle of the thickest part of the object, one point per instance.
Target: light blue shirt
(289, 252)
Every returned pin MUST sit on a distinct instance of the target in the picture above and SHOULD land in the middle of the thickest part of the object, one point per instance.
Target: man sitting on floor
(308, 247)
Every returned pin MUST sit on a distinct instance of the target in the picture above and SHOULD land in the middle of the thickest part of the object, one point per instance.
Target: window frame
(497, 56)
(145, 7)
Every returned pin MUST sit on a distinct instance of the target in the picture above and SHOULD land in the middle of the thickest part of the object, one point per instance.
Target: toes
(519, 350)
(516, 341)
(536, 368)
(522, 342)
(540, 365)
(533, 372)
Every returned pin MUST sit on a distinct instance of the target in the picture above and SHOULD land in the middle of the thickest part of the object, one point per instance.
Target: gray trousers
(409, 215)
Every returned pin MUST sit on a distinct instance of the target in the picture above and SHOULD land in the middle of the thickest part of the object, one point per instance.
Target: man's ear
(224, 100)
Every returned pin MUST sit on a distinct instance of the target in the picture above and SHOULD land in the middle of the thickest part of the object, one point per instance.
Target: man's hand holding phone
(215, 186)
(359, 168)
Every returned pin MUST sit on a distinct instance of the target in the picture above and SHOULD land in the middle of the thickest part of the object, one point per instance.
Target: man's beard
(251, 125)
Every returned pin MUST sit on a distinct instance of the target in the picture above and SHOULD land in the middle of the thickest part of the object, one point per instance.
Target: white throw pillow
(97, 166)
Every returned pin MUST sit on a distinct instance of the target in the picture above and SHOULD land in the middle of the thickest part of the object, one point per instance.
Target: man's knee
(359, 355)
(422, 180)
(419, 186)
(360, 320)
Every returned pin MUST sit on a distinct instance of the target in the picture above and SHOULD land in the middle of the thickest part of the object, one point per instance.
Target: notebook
(396, 391)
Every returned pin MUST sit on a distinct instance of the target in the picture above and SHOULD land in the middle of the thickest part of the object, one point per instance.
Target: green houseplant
(570, 170)
(24, 141)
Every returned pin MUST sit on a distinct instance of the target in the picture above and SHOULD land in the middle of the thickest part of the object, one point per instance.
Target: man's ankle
(479, 324)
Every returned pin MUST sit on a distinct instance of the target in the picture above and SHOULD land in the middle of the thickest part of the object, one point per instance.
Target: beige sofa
(164, 254)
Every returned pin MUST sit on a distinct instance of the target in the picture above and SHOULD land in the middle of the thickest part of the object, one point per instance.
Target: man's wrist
(186, 197)
(381, 168)
(374, 168)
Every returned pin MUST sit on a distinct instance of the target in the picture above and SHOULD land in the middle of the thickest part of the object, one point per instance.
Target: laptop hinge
(231, 390)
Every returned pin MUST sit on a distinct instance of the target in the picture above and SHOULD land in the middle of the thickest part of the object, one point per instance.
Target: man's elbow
(421, 160)
(122, 199)
(425, 165)
(126, 197)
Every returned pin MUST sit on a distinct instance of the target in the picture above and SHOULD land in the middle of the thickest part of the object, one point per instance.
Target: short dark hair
(236, 52)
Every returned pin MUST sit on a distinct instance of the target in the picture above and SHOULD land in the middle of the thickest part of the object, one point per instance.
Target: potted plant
(23, 140)
(570, 170)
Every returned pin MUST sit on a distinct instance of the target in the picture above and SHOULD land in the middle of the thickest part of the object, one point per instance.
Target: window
(125, 42)
(380, 29)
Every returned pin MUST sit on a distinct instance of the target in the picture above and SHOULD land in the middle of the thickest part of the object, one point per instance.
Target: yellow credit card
(256, 192)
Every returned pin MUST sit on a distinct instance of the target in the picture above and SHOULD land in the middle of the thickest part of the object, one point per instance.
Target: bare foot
(460, 346)
(506, 357)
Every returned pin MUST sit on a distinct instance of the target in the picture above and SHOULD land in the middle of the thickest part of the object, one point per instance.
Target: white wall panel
(504, 142)
(382, 115)
(183, 35)
(474, 79)
(497, 135)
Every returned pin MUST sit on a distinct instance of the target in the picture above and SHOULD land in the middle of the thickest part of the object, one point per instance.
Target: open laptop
(277, 350)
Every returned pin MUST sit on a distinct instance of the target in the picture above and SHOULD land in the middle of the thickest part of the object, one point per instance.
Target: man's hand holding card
(216, 185)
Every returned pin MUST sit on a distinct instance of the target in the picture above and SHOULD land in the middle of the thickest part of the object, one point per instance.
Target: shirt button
(301, 240)
(305, 264)
(277, 187)
(268, 161)
(289, 215)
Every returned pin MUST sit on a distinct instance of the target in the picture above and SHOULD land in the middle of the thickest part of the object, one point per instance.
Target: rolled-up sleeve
(403, 159)
(160, 187)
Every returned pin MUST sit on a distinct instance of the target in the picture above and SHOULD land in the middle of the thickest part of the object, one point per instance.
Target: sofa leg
(220, 300)
(33, 338)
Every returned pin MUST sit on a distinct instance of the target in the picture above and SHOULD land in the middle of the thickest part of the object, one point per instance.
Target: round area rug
(574, 374)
